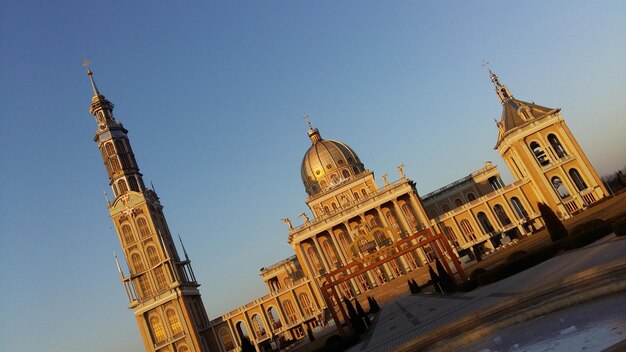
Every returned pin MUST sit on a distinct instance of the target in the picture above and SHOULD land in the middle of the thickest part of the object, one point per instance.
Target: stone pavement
(420, 322)
(591, 326)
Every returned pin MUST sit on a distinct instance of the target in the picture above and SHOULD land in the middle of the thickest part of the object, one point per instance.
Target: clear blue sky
(213, 95)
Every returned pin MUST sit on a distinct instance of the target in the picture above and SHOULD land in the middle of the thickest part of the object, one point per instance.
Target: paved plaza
(409, 318)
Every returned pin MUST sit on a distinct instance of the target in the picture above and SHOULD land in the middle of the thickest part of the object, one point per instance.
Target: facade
(477, 213)
(352, 216)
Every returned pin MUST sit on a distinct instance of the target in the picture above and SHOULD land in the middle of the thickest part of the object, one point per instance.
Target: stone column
(321, 254)
(403, 264)
(234, 334)
(421, 258)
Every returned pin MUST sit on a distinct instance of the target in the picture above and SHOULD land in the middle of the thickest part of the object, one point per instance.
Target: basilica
(356, 220)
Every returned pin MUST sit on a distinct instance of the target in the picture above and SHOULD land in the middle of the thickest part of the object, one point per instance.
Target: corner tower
(161, 288)
(537, 146)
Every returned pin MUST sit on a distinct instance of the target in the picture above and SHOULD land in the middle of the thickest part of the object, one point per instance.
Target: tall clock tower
(161, 287)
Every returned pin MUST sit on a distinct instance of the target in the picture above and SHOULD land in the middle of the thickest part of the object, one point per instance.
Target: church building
(353, 216)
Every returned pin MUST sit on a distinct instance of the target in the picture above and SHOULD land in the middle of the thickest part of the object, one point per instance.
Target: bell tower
(161, 287)
(538, 147)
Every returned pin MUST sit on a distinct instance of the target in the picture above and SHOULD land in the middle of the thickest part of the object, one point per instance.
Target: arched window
(121, 151)
(172, 318)
(355, 170)
(356, 196)
(315, 260)
(323, 184)
(159, 275)
(272, 315)
(115, 163)
(458, 202)
(467, 230)
(305, 302)
(183, 348)
(144, 286)
(495, 182)
(287, 281)
(121, 185)
(109, 149)
(326, 210)
(364, 193)
(345, 242)
(153, 255)
(539, 154)
(242, 329)
(503, 219)
(157, 329)
(559, 187)
(345, 173)
(409, 214)
(127, 234)
(517, 206)
(471, 197)
(578, 180)
(556, 145)
(125, 161)
(119, 144)
(373, 222)
(334, 178)
(290, 312)
(227, 339)
(257, 325)
(330, 252)
(484, 222)
(138, 266)
(445, 208)
(451, 236)
(392, 220)
(144, 230)
(132, 183)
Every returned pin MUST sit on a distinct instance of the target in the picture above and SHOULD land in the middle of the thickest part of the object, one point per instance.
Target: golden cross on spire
(306, 118)
(485, 64)
(86, 64)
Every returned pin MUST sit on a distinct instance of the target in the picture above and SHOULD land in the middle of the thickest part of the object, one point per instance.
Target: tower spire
(86, 64)
(313, 133)
(502, 91)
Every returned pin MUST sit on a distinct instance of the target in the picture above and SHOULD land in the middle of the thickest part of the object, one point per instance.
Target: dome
(327, 164)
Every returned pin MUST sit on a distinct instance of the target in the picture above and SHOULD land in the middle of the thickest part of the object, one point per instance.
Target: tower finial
(182, 245)
(106, 197)
(86, 64)
(306, 118)
(502, 90)
(119, 268)
(313, 133)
